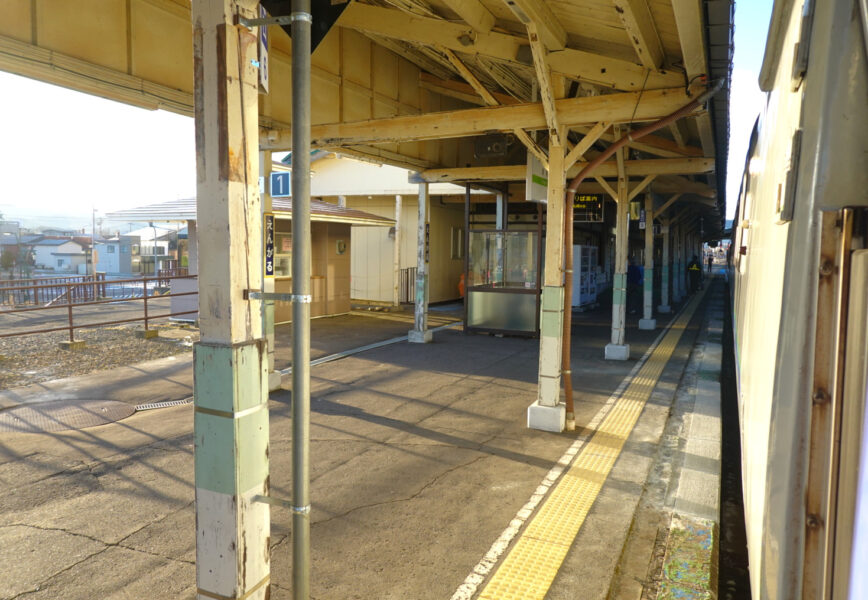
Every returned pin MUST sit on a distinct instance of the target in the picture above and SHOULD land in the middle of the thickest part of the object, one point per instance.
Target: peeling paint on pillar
(551, 345)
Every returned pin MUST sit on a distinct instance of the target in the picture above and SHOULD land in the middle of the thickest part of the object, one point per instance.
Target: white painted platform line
(468, 589)
(346, 353)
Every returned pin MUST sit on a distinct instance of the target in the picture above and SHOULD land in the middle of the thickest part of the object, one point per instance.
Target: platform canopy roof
(185, 210)
(426, 84)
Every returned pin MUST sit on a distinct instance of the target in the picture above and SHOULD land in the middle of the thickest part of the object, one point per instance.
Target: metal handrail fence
(76, 290)
(47, 290)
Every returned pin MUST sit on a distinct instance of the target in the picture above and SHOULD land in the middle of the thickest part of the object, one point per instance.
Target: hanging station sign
(268, 250)
(536, 182)
(588, 208)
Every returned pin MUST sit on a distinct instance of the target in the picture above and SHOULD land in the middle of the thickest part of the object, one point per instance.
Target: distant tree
(8, 258)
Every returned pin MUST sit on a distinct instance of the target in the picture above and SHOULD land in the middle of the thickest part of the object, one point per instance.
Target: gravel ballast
(36, 358)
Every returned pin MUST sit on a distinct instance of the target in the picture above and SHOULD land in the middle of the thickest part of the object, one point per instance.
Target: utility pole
(301, 118)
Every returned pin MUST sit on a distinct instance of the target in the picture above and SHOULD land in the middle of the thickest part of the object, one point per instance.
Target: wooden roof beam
(460, 90)
(615, 108)
(638, 168)
(637, 19)
(472, 12)
(595, 68)
(538, 14)
(671, 200)
(690, 24)
(652, 144)
(640, 187)
(490, 100)
(544, 78)
(585, 144)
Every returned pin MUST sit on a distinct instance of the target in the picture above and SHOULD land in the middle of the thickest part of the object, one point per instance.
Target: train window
(787, 190)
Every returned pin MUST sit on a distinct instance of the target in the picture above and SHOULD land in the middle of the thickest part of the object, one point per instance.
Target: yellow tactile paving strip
(530, 567)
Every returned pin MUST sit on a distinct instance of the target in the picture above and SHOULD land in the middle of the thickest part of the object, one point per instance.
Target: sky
(64, 153)
(746, 99)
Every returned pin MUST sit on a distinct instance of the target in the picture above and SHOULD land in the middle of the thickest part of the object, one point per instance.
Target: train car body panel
(809, 156)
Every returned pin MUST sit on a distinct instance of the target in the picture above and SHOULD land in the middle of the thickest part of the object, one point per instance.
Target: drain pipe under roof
(568, 226)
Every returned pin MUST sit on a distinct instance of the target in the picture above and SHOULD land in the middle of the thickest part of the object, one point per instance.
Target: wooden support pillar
(664, 307)
(648, 322)
(420, 334)
(396, 254)
(618, 349)
(547, 413)
(268, 281)
(230, 361)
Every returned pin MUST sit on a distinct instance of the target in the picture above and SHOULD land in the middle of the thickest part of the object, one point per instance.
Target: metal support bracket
(284, 20)
(260, 295)
(273, 501)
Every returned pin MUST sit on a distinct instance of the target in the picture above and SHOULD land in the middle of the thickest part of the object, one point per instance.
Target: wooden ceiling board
(16, 21)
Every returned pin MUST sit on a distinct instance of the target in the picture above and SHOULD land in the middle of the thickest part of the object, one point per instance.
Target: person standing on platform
(710, 261)
(694, 273)
(634, 287)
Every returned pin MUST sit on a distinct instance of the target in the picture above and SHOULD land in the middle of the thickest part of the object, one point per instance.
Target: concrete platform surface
(421, 460)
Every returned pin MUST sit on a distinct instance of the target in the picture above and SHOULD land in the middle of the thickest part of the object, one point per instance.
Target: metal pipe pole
(301, 40)
(396, 254)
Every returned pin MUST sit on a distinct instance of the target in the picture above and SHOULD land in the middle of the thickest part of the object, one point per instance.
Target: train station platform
(425, 481)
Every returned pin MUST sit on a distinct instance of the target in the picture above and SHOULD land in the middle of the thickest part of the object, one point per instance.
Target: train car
(799, 283)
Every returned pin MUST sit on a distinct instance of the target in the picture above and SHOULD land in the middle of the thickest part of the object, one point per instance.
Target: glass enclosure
(503, 259)
(503, 281)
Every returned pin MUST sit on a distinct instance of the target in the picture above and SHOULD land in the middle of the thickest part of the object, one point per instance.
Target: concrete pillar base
(664, 308)
(546, 418)
(647, 324)
(147, 334)
(420, 337)
(274, 381)
(74, 345)
(617, 351)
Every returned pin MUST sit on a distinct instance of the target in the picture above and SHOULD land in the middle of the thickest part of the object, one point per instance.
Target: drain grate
(61, 415)
(167, 404)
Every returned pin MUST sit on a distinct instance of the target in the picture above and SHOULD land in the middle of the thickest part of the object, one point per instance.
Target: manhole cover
(61, 415)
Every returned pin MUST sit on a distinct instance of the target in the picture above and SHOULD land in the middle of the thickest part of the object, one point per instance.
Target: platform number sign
(268, 250)
(280, 184)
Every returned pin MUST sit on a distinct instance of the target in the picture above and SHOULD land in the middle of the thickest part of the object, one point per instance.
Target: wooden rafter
(679, 133)
(538, 13)
(544, 78)
(669, 202)
(460, 90)
(472, 12)
(638, 168)
(609, 72)
(688, 186)
(585, 144)
(640, 187)
(616, 108)
(652, 144)
(637, 19)
(608, 188)
(506, 78)
(490, 100)
(690, 23)
(408, 51)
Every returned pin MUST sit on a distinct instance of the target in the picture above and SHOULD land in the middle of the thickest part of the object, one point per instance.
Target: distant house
(61, 254)
(118, 255)
(332, 228)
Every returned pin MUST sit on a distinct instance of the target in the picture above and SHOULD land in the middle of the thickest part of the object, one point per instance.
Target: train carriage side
(799, 304)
